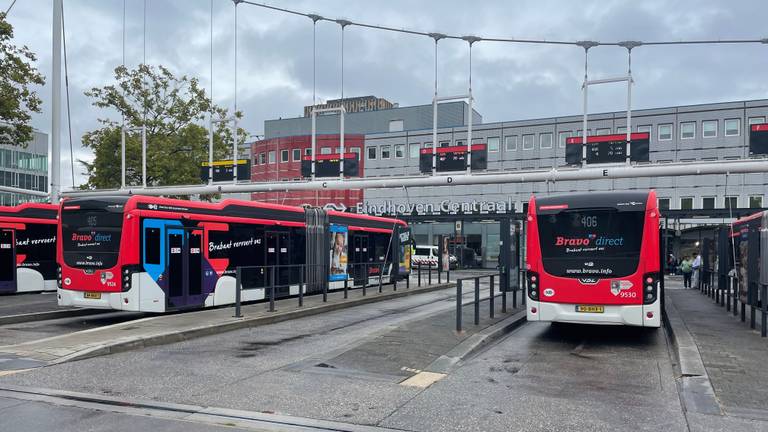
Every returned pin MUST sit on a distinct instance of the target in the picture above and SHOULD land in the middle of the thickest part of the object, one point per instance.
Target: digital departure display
(758, 139)
(222, 170)
(453, 158)
(608, 148)
(328, 165)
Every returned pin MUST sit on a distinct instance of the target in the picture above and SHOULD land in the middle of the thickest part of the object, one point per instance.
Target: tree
(172, 109)
(17, 99)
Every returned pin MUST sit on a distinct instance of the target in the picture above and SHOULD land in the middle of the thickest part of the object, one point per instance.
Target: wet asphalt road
(11, 334)
(28, 303)
(540, 377)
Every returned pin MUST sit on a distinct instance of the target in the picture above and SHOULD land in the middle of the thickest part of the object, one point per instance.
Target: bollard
(728, 296)
(764, 304)
(325, 290)
(477, 301)
(448, 275)
(302, 270)
(272, 291)
(459, 295)
(492, 299)
(439, 274)
(238, 282)
(504, 301)
(346, 287)
(735, 297)
(408, 281)
(752, 313)
(365, 280)
(418, 283)
(381, 275)
(429, 273)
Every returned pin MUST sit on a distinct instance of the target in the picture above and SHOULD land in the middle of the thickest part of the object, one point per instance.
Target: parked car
(428, 256)
(468, 257)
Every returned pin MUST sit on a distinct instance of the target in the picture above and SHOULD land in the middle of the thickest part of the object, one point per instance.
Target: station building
(392, 139)
(24, 167)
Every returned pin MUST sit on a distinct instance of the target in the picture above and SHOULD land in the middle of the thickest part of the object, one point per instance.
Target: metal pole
(210, 114)
(764, 304)
(144, 154)
(341, 143)
(234, 134)
(381, 274)
(504, 302)
(492, 300)
(629, 108)
(55, 180)
(122, 155)
(365, 280)
(434, 116)
(418, 283)
(459, 302)
(585, 89)
(238, 282)
(272, 289)
(346, 288)
(302, 270)
(752, 310)
(728, 296)
(477, 301)
(314, 143)
(429, 272)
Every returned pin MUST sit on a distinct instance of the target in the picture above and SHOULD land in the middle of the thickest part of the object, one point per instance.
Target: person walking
(686, 268)
(696, 265)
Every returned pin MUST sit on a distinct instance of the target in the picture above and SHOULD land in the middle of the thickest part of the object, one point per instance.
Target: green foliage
(17, 99)
(173, 110)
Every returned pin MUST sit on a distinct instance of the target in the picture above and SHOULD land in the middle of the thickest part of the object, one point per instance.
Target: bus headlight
(533, 285)
(651, 291)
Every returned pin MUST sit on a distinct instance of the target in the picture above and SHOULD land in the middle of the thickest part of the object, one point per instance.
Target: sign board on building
(222, 170)
(608, 148)
(758, 139)
(458, 227)
(328, 165)
(453, 158)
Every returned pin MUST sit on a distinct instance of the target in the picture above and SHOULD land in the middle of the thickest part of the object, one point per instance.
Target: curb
(696, 389)
(42, 316)
(185, 412)
(212, 329)
(476, 342)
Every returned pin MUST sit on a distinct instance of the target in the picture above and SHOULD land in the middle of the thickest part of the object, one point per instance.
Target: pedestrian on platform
(696, 265)
(686, 268)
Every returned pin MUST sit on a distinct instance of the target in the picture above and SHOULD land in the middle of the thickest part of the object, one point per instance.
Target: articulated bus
(594, 258)
(28, 248)
(154, 254)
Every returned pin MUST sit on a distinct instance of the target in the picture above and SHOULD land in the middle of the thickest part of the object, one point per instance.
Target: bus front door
(7, 261)
(184, 259)
(278, 260)
(359, 259)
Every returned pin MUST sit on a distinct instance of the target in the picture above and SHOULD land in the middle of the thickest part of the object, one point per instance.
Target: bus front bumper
(632, 315)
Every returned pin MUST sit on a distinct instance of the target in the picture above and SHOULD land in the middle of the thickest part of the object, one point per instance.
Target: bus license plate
(92, 295)
(590, 309)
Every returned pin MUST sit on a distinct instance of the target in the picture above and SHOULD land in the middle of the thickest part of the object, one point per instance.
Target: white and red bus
(594, 258)
(28, 248)
(155, 254)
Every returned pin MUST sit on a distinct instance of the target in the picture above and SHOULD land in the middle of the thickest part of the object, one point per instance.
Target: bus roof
(30, 210)
(629, 200)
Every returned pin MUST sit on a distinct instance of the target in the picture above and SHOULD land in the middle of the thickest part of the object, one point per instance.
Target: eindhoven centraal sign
(444, 206)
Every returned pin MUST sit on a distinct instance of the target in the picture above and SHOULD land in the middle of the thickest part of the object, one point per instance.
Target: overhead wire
(507, 39)
(7, 11)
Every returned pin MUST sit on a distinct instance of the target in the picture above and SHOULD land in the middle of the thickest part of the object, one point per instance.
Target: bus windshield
(600, 243)
(91, 236)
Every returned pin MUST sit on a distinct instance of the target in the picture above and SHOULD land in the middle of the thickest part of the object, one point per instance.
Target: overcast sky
(509, 81)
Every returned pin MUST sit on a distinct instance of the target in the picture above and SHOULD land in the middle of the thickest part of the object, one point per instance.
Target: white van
(427, 256)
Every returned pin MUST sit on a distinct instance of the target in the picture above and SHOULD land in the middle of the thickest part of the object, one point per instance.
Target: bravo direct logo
(589, 240)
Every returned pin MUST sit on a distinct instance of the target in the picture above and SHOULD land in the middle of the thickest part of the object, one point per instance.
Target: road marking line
(423, 379)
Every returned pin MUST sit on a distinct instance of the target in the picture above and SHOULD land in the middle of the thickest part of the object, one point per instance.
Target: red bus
(155, 254)
(28, 248)
(594, 258)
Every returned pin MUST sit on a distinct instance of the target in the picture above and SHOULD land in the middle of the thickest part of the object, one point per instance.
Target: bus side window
(152, 245)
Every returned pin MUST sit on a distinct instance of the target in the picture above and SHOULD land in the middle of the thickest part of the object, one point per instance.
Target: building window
(687, 130)
(731, 202)
(603, 131)
(271, 156)
(756, 120)
(284, 155)
(371, 153)
(308, 151)
(296, 155)
(356, 152)
(733, 127)
(545, 140)
(493, 144)
(427, 145)
(663, 203)
(385, 151)
(562, 137)
(644, 128)
(338, 150)
(708, 203)
(399, 151)
(756, 201)
(459, 143)
(447, 143)
(395, 125)
(709, 128)
(262, 158)
(510, 143)
(686, 203)
(528, 142)
(325, 150)
(665, 132)
(621, 130)
(414, 150)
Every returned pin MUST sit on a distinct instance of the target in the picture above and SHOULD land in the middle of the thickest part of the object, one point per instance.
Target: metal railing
(491, 299)
(429, 268)
(726, 294)
(312, 279)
